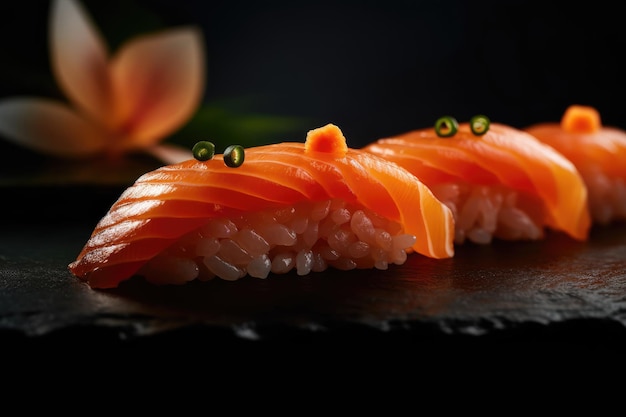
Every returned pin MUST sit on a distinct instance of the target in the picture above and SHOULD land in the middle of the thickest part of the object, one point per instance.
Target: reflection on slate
(549, 289)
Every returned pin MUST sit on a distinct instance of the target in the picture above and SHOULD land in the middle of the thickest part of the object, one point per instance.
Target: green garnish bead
(234, 156)
(203, 150)
(446, 126)
(479, 124)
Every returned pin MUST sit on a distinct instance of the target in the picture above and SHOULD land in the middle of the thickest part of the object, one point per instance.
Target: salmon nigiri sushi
(287, 206)
(599, 154)
(499, 181)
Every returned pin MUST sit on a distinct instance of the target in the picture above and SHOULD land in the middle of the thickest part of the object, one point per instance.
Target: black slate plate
(557, 289)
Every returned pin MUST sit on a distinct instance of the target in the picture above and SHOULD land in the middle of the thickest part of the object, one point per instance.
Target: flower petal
(50, 127)
(79, 59)
(170, 154)
(158, 81)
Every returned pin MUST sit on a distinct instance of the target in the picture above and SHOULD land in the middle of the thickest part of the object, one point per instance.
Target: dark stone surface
(555, 290)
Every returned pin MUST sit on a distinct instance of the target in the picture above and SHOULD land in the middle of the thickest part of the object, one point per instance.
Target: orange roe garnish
(581, 119)
(328, 139)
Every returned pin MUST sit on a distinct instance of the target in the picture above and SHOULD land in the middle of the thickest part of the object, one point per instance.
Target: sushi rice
(307, 237)
(483, 212)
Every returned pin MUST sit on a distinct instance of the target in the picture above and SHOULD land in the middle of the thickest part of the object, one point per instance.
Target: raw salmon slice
(597, 151)
(289, 206)
(502, 183)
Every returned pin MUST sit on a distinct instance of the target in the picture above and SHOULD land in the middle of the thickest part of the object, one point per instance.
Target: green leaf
(224, 127)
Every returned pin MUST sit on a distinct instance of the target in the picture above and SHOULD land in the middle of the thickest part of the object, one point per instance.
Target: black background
(375, 68)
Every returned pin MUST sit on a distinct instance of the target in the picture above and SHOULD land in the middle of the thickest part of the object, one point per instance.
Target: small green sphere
(479, 124)
(203, 150)
(446, 126)
(234, 156)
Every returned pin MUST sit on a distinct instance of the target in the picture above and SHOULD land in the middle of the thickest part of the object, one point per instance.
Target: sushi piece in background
(597, 151)
(499, 181)
(266, 209)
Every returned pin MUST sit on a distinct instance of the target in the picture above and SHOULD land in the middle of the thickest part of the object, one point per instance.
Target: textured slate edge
(136, 332)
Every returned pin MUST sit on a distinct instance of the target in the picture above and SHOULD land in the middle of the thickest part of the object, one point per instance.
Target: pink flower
(124, 103)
